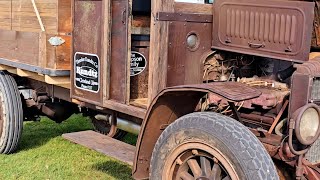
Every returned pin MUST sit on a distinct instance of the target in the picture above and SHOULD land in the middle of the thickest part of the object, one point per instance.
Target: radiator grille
(315, 93)
(313, 155)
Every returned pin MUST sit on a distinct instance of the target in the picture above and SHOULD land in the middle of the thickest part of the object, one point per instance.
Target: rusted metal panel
(233, 91)
(277, 29)
(300, 91)
(185, 63)
(303, 85)
(200, 18)
(316, 30)
(119, 51)
(87, 39)
(165, 109)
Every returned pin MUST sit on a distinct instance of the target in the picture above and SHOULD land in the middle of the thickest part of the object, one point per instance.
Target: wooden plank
(24, 17)
(106, 49)
(142, 102)
(42, 49)
(59, 57)
(64, 16)
(103, 144)
(57, 80)
(313, 55)
(128, 52)
(31, 75)
(193, 8)
(20, 47)
(8, 68)
(119, 62)
(159, 49)
(5, 14)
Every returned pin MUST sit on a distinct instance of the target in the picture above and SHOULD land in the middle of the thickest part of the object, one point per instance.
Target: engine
(271, 77)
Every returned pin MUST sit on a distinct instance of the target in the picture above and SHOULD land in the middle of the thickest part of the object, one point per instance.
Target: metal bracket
(199, 18)
(235, 111)
(56, 41)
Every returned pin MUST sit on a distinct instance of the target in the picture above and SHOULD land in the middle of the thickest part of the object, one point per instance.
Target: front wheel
(209, 146)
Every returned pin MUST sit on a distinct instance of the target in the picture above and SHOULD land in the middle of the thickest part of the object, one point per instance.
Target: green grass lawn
(44, 154)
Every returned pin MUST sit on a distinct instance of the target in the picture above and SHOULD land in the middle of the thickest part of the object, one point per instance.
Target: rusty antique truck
(223, 89)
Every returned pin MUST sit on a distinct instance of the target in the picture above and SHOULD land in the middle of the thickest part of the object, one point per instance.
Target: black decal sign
(87, 72)
(138, 63)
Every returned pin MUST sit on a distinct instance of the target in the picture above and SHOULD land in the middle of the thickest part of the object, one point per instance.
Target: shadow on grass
(36, 134)
(114, 169)
(130, 139)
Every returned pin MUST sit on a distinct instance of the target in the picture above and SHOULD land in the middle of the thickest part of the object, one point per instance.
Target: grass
(44, 154)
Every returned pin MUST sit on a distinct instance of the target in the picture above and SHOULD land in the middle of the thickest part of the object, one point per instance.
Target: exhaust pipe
(122, 124)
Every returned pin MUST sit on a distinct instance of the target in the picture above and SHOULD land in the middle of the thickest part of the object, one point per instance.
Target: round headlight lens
(307, 120)
(309, 124)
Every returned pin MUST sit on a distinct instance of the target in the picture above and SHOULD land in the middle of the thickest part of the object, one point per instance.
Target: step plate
(103, 144)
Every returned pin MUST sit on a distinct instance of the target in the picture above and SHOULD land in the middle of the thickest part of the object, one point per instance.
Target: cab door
(100, 48)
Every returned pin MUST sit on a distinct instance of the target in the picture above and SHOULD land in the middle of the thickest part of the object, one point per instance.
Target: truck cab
(221, 89)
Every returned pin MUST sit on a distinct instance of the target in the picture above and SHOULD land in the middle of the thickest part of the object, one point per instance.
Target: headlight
(307, 124)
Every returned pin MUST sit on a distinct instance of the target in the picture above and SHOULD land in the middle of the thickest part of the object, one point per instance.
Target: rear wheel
(209, 146)
(11, 114)
(104, 127)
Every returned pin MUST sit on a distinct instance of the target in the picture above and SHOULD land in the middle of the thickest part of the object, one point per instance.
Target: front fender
(172, 103)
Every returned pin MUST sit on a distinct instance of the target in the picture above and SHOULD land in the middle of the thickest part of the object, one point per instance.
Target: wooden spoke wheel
(198, 161)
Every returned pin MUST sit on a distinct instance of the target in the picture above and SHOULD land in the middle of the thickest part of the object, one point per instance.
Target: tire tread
(250, 150)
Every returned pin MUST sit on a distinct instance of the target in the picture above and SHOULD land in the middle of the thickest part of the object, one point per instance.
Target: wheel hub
(202, 178)
(197, 161)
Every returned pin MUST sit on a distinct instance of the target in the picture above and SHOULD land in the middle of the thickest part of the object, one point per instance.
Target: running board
(103, 144)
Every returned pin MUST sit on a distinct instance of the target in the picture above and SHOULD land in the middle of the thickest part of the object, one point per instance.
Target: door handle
(255, 45)
(124, 18)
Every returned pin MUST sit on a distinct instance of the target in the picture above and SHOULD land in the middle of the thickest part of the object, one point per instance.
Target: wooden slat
(20, 47)
(24, 18)
(159, 53)
(106, 49)
(103, 144)
(8, 68)
(313, 55)
(142, 102)
(57, 81)
(193, 8)
(5, 14)
(64, 16)
(21, 36)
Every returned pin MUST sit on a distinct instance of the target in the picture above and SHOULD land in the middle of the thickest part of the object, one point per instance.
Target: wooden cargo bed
(24, 44)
